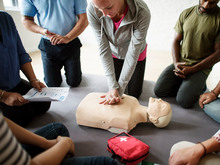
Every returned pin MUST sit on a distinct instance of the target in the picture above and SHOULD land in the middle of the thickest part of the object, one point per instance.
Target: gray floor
(186, 124)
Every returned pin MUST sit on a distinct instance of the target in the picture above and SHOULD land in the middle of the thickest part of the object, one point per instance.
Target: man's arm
(210, 60)
(205, 63)
(30, 25)
(175, 49)
(80, 26)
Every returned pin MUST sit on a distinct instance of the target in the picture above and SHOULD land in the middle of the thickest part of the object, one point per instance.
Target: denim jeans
(213, 109)
(51, 131)
(187, 91)
(55, 57)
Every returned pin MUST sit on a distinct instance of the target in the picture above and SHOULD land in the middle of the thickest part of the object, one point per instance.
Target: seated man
(195, 49)
(124, 116)
(13, 59)
(210, 102)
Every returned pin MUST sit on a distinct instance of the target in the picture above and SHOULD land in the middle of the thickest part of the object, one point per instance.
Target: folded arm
(80, 26)
(56, 149)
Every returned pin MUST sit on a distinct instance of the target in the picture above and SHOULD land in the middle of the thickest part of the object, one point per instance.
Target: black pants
(55, 57)
(187, 91)
(22, 115)
(134, 87)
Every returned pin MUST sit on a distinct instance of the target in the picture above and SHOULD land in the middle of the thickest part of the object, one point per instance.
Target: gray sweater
(127, 42)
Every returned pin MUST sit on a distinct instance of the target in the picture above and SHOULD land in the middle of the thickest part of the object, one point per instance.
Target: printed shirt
(217, 136)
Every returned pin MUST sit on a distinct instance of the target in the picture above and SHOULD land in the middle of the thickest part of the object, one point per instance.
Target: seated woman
(13, 59)
(123, 116)
(49, 145)
(201, 153)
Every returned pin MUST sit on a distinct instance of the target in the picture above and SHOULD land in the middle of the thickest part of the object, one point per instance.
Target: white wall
(2, 5)
(164, 15)
(29, 39)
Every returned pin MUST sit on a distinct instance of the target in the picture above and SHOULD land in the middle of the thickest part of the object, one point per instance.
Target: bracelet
(214, 93)
(1, 94)
(34, 80)
(203, 147)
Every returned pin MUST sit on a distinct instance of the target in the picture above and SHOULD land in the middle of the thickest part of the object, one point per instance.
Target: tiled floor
(156, 62)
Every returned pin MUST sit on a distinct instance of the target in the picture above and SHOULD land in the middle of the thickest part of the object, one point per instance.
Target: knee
(60, 129)
(40, 108)
(74, 82)
(158, 92)
(185, 103)
(23, 117)
(45, 107)
(52, 83)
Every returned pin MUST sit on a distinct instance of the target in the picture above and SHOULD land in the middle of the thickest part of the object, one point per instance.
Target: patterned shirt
(217, 136)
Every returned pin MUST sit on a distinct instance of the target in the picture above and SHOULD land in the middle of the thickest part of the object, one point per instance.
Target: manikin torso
(123, 116)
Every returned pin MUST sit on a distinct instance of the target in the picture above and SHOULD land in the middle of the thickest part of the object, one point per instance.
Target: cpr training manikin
(123, 116)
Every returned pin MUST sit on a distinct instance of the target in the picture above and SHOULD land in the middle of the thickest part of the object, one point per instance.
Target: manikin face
(206, 6)
(109, 8)
(157, 108)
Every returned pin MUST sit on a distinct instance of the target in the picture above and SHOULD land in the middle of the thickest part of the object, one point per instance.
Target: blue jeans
(54, 57)
(187, 91)
(213, 109)
(51, 131)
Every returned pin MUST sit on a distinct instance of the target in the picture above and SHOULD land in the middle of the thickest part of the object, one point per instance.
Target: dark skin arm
(181, 69)
(209, 96)
(175, 49)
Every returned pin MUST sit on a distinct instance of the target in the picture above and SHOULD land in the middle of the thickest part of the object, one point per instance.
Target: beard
(203, 10)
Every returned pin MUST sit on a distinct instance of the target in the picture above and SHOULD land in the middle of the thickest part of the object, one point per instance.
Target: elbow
(218, 55)
(26, 21)
(86, 23)
(23, 21)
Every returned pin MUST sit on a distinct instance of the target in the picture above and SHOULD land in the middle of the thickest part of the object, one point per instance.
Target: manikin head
(207, 6)
(159, 112)
(110, 8)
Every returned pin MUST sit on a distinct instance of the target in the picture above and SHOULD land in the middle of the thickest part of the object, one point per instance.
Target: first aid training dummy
(123, 116)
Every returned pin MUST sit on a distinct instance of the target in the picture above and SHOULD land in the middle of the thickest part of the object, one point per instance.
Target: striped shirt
(11, 152)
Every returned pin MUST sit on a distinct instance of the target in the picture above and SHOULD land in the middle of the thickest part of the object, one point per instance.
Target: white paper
(47, 94)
